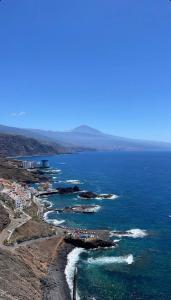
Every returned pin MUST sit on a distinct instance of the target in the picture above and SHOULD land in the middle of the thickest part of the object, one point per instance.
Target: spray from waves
(54, 222)
(95, 208)
(50, 204)
(129, 259)
(105, 196)
(100, 196)
(72, 260)
(133, 233)
(73, 181)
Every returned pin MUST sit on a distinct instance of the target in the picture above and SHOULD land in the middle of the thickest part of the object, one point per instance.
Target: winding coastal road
(15, 223)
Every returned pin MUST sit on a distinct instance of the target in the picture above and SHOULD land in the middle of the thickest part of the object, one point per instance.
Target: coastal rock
(88, 195)
(91, 195)
(68, 190)
(85, 209)
(89, 243)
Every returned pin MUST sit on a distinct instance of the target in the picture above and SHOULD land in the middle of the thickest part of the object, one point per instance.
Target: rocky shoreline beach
(54, 284)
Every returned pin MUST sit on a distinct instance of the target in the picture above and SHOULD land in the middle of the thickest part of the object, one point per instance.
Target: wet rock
(68, 190)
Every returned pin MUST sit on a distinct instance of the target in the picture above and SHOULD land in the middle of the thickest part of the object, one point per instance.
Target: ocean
(140, 266)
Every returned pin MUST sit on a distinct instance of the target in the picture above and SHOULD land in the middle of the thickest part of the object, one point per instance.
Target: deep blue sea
(142, 182)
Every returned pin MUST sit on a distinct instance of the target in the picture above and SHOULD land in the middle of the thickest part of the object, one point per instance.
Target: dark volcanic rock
(4, 218)
(88, 195)
(68, 190)
(91, 195)
(89, 243)
(85, 209)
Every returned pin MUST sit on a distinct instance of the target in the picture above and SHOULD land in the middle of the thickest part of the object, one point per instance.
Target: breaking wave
(129, 259)
(50, 204)
(103, 196)
(73, 181)
(54, 222)
(100, 196)
(72, 260)
(133, 233)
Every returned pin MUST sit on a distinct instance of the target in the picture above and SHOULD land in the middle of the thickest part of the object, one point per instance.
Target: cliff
(17, 145)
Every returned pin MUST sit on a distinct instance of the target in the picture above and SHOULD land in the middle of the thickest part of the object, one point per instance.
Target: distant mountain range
(86, 138)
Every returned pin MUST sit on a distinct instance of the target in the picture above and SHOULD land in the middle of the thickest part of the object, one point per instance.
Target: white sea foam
(50, 204)
(129, 259)
(103, 196)
(133, 233)
(54, 222)
(96, 208)
(72, 260)
(73, 181)
(56, 171)
(100, 196)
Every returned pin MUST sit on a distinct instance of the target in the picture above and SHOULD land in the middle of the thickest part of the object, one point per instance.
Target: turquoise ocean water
(142, 182)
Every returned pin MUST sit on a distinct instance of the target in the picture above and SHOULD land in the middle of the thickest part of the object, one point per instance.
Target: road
(15, 223)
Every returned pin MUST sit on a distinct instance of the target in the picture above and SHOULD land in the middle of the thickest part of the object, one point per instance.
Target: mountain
(17, 145)
(87, 138)
(86, 130)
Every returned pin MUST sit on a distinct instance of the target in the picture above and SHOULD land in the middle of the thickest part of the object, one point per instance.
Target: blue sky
(102, 63)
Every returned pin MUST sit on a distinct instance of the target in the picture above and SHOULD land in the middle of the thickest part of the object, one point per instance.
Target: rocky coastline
(38, 248)
(54, 284)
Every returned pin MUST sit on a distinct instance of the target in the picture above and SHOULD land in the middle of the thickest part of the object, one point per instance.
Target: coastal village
(23, 196)
(24, 232)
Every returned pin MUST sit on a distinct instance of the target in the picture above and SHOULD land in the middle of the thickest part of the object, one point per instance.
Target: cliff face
(18, 279)
(4, 218)
(34, 272)
(16, 145)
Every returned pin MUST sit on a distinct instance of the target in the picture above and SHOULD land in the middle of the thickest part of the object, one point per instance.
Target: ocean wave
(73, 181)
(104, 196)
(133, 233)
(96, 208)
(50, 204)
(129, 259)
(54, 222)
(72, 260)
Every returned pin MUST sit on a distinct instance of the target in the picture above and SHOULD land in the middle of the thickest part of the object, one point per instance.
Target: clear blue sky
(105, 63)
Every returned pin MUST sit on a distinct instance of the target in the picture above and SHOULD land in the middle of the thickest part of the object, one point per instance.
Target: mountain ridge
(86, 137)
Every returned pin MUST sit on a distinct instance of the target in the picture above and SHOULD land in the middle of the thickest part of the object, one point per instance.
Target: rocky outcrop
(91, 195)
(90, 243)
(68, 190)
(4, 218)
(88, 195)
(84, 209)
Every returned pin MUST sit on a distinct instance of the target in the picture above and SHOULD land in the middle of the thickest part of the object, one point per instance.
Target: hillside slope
(16, 145)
